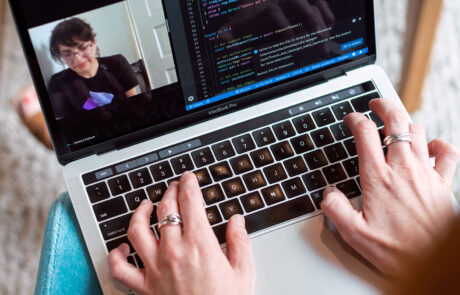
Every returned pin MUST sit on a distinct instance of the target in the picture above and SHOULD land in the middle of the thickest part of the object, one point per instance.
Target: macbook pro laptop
(248, 94)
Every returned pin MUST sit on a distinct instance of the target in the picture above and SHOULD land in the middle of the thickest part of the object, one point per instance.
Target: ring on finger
(395, 137)
(171, 219)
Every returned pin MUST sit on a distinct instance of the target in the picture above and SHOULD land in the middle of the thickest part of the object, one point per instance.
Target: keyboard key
(295, 166)
(140, 178)
(341, 131)
(322, 137)
(98, 192)
(190, 145)
(302, 144)
(115, 227)
(254, 180)
(304, 123)
(314, 180)
(131, 260)
(220, 171)
(110, 208)
(213, 215)
(117, 242)
(241, 164)
(104, 173)
(275, 173)
(335, 152)
(252, 202)
(171, 180)
(282, 150)
(342, 109)
(376, 119)
(244, 143)
(273, 194)
(230, 208)
(368, 86)
(361, 104)
(153, 216)
(317, 198)
(223, 150)
(263, 137)
(261, 157)
(139, 261)
(213, 194)
(351, 166)
(135, 198)
(203, 157)
(156, 191)
(350, 145)
(119, 185)
(293, 187)
(283, 130)
(334, 173)
(161, 171)
(203, 177)
(126, 166)
(182, 163)
(349, 188)
(323, 117)
(233, 187)
(316, 159)
(271, 216)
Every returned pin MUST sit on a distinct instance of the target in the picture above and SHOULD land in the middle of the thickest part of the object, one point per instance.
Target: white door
(150, 25)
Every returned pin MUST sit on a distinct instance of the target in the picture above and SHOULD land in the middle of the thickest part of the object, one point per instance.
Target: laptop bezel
(199, 116)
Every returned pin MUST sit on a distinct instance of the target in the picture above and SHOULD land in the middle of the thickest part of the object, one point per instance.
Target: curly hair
(67, 32)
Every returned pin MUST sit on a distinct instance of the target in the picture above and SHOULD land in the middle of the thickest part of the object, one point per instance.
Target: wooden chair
(423, 19)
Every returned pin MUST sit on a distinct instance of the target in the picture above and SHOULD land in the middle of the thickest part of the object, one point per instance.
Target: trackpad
(309, 257)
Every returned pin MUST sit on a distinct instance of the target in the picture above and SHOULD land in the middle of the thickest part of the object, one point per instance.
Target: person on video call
(406, 210)
(90, 81)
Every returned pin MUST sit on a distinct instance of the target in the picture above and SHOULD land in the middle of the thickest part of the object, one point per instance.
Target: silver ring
(395, 137)
(171, 219)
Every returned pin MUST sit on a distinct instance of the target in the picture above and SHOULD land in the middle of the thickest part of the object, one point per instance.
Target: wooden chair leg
(423, 19)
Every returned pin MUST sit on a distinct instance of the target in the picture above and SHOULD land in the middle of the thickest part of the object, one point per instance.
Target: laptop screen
(107, 69)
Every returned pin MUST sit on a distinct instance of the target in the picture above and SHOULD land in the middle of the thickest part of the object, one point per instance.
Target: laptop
(248, 94)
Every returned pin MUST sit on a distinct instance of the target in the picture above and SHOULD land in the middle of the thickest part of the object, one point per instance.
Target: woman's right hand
(406, 201)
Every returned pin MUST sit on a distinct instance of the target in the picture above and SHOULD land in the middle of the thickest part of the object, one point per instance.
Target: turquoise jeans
(65, 266)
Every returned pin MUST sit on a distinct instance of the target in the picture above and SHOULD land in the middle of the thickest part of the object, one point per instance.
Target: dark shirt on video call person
(90, 81)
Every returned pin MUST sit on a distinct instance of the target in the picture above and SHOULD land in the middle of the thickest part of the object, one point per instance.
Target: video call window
(89, 61)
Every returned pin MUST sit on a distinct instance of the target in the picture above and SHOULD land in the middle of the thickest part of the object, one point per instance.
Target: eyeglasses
(82, 50)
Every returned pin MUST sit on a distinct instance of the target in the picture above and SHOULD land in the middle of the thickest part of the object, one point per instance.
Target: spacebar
(271, 216)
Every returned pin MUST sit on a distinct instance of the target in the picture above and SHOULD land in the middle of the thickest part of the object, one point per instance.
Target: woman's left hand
(185, 260)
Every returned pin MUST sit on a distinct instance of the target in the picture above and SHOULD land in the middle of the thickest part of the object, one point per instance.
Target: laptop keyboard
(271, 173)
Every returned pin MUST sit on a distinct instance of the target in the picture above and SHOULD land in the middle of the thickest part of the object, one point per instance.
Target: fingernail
(144, 201)
(373, 101)
(239, 220)
(329, 190)
(186, 173)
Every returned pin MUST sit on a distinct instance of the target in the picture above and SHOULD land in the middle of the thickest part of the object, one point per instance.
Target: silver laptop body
(299, 254)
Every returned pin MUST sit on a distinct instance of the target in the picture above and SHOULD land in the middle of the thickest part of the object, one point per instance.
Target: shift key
(110, 208)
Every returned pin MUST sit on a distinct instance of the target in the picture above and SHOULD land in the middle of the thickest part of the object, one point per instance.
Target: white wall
(113, 36)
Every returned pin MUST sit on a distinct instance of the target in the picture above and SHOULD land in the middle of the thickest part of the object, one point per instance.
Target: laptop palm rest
(309, 257)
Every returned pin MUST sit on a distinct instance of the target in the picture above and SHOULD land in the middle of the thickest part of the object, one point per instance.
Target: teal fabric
(65, 266)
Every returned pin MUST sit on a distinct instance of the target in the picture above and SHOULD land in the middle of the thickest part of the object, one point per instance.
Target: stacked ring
(171, 219)
(395, 137)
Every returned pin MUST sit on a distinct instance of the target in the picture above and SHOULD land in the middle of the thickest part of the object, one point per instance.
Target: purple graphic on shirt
(97, 99)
